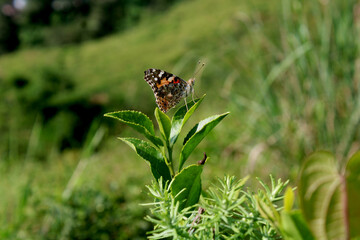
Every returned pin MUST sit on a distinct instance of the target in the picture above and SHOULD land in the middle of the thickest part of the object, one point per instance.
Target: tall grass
(83, 195)
(305, 89)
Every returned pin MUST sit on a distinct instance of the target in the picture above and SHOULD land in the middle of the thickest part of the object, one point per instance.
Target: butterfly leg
(187, 109)
(192, 96)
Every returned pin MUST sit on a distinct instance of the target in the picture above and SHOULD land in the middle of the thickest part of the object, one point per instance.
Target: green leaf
(294, 227)
(353, 191)
(197, 134)
(180, 118)
(139, 121)
(189, 182)
(267, 209)
(288, 199)
(151, 155)
(164, 123)
(322, 196)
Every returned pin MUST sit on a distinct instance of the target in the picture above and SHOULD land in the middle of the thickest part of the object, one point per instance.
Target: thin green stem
(168, 161)
(171, 167)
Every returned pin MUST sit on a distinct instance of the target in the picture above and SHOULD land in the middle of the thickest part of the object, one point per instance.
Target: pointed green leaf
(353, 192)
(322, 196)
(139, 121)
(267, 209)
(190, 133)
(294, 227)
(189, 182)
(164, 123)
(289, 199)
(151, 155)
(180, 118)
(197, 134)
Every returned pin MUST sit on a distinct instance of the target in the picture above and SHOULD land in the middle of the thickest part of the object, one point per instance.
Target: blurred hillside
(71, 86)
(26, 23)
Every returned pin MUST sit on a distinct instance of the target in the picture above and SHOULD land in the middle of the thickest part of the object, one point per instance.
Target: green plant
(304, 93)
(226, 211)
(87, 214)
(329, 198)
(229, 212)
(328, 201)
(159, 151)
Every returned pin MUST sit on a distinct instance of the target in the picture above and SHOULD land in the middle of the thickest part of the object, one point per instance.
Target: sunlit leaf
(151, 155)
(289, 198)
(188, 179)
(138, 121)
(267, 209)
(322, 196)
(164, 123)
(180, 118)
(353, 194)
(197, 134)
(294, 227)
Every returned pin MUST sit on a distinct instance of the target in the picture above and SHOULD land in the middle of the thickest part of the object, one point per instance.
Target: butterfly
(168, 88)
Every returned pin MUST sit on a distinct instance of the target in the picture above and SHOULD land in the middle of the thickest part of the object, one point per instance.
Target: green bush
(86, 214)
(92, 214)
(49, 98)
(226, 211)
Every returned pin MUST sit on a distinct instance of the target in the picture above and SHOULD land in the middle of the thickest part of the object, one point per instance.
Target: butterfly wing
(168, 88)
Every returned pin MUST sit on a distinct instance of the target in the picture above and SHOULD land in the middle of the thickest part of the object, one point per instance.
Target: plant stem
(171, 167)
(168, 161)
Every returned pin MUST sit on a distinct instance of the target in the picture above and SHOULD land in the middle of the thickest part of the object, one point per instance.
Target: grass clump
(304, 94)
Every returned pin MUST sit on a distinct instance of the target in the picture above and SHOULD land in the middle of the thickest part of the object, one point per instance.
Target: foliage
(160, 154)
(328, 201)
(307, 92)
(226, 211)
(321, 191)
(42, 99)
(328, 207)
(353, 194)
(87, 214)
(92, 215)
(170, 131)
(88, 73)
(277, 121)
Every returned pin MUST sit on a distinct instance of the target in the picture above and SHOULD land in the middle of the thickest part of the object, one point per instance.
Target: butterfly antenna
(193, 77)
(202, 65)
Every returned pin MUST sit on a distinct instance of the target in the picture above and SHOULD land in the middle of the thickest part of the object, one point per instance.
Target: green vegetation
(286, 70)
(186, 184)
(326, 195)
(59, 22)
(227, 211)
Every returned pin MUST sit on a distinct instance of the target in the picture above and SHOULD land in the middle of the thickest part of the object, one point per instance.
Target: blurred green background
(288, 71)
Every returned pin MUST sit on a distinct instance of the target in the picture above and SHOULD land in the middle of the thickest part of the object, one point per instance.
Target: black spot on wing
(168, 95)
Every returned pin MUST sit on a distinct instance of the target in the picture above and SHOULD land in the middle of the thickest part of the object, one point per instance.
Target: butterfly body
(168, 88)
